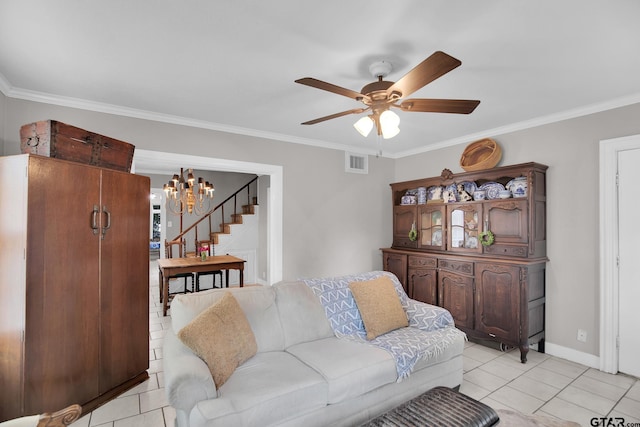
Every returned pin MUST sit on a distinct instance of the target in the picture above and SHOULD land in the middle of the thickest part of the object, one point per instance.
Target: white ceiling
(231, 64)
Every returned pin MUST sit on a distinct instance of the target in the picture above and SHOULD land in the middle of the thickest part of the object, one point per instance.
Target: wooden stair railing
(220, 205)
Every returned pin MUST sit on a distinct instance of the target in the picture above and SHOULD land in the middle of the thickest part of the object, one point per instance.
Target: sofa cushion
(379, 306)
(269, 388)
(350, 368)
(301, 314)
(257, 302)
(222, 337)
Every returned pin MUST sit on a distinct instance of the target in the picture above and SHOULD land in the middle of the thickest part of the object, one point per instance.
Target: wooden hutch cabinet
(494, 290)
(74, 284)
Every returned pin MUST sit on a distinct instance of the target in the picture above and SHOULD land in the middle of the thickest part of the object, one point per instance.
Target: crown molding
(82, 104)
(527, 124)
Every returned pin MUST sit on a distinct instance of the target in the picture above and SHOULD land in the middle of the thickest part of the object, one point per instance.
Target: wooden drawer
(420, 261)
(520, 251)
(56, 139)
(404, 242)
(461, 267)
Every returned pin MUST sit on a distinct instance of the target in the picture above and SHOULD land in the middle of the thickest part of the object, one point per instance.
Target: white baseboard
(572, 355)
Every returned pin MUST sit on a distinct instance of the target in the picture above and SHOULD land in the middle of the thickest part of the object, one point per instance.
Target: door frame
(146, 161)
(608, 233)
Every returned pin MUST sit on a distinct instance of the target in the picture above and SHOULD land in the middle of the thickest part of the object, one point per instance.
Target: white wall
(570, 149)
(3, 101)
(334, 222)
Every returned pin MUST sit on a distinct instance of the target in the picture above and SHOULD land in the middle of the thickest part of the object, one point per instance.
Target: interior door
(61, 344)
(124, 280)
(629, 273)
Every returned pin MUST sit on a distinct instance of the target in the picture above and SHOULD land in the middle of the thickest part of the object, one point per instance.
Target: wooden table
(168, 267)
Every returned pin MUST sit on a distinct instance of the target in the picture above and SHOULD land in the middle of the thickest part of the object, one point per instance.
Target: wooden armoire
(74, 284)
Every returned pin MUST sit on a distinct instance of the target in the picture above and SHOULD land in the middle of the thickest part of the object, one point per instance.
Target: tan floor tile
(473, 390)
(533, 357)
(121, 407)
(517, 400)
(154, 399)
(534, 388)
(468, 363)
(494, 404)
(626, 419)
(634, 392)
(600, 388)
(628, 407)
(619, 380)
(147, 419)
(148, 385)
(548, 377)
(484, 379)
(169, 416)
(155, 366)
(568, 411)
(501, 369)
(597, 404)
(481, 353)
(563, 367)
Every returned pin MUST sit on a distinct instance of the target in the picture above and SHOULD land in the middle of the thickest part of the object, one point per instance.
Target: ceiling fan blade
(424, 73)
(335, 116)
(319, 84)
(459, 106)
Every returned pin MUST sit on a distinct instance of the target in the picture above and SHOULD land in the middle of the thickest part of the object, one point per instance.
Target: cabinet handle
(94, 219)
(108, 223)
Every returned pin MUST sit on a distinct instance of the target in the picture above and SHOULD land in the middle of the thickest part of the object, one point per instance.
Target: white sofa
(302, 374)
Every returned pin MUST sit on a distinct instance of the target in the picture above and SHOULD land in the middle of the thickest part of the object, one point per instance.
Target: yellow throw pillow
(379, 306)
(222, 337)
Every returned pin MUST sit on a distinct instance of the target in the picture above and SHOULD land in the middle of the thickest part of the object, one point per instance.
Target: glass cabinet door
(431, 223)
(464, 227)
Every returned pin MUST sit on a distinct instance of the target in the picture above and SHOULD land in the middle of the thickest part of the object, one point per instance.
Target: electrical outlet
(582, 335)
(169, 224)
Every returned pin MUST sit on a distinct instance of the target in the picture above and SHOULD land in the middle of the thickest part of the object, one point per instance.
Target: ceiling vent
(356, 163)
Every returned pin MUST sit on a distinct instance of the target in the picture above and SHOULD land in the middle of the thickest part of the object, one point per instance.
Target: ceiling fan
(379, 96)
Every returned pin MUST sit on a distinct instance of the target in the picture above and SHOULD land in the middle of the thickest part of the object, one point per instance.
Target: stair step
(248, 209)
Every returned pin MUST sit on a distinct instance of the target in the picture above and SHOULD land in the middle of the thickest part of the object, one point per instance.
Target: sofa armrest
(187, 378)
(428, 317)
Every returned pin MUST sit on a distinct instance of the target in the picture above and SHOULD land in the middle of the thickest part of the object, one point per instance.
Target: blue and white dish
(493, 189)
(452, 191)
(435, 192)
(518, 186)
(469, 186)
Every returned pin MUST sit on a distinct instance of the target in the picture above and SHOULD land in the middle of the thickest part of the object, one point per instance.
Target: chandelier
(187, 196)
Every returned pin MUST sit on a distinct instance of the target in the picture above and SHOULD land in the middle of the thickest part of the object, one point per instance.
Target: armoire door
(455, 293)
(498, 301)
(61, 334)
(124, 281)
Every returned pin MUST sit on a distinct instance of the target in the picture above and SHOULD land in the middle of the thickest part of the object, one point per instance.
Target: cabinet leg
(524, 349)
(541, 346)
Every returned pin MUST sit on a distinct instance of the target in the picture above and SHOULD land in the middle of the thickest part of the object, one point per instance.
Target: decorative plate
(469, 187)
(453, 193)
(435, 192)
(493, 189)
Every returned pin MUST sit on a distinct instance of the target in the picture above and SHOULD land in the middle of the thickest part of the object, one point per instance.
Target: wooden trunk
(56, 139)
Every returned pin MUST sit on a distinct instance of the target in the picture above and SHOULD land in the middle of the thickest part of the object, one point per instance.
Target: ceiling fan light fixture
(389, 123)
(364, 125)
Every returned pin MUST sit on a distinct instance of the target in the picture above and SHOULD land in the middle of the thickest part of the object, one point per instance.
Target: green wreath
(413, 233)
(486, 238)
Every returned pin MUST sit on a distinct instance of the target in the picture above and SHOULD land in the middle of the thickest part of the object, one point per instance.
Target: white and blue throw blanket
(431, 328)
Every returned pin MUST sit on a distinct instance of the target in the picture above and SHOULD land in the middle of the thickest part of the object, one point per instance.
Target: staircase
(238, 237)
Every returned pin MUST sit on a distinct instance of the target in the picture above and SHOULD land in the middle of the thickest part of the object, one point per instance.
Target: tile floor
(544, 385)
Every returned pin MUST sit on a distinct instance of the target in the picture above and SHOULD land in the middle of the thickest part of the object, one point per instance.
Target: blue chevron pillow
(339, 304)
